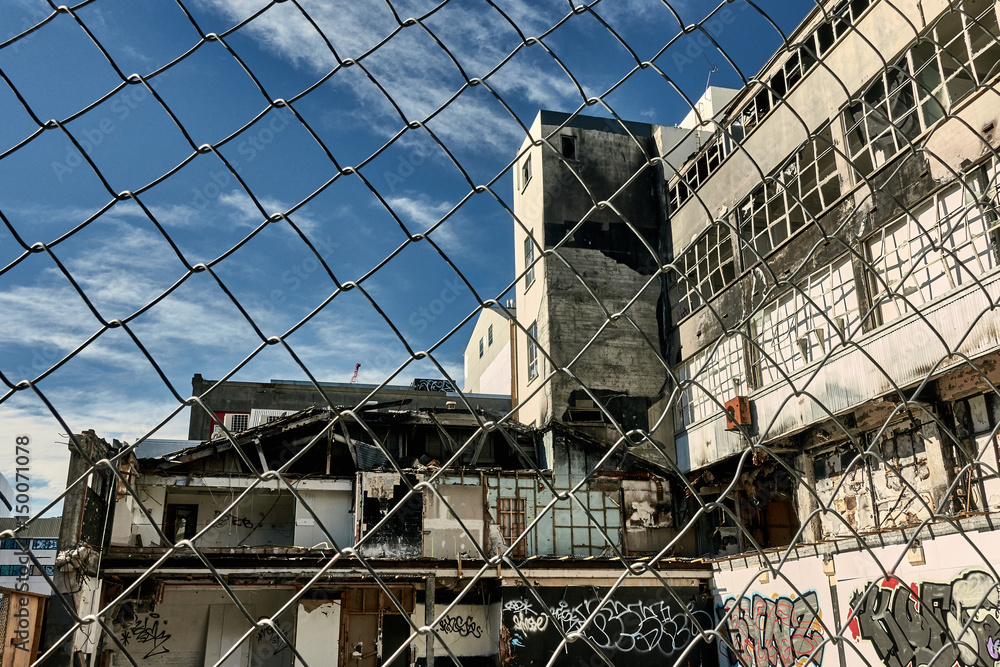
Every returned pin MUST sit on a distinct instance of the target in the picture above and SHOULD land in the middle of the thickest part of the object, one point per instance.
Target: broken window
(952, 58)
(569, 148)
(977, 452)
(947, 242)
(180, 522)
(532, 351)
(797, 192)
(525, 172)
(512, 516)
(804, 324)
(704, 270)
(709, 378)
(792, 70)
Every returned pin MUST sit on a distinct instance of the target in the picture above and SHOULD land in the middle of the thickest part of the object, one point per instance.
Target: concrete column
(805, 502)
(429, 613)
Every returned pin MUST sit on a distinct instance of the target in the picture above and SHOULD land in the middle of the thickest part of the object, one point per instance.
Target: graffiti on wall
(655, 627)
(145, 631)
(463, 626)
(945, 623)
(779, 631)
(222, 520)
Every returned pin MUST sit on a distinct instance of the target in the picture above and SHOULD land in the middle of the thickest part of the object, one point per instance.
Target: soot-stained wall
(402, 535)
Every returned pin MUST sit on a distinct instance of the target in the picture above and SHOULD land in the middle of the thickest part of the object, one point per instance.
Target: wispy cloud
(411, 66)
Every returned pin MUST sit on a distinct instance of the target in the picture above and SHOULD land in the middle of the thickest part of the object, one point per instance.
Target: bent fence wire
(788, 326)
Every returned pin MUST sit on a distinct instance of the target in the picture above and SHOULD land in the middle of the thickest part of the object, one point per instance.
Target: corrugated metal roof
(46, 527)
(155, 449)
(369, 456)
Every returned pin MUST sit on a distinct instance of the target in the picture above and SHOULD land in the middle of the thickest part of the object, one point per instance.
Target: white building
(489, 354)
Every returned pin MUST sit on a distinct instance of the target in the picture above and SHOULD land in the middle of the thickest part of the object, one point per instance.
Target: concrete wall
(591, 271)
(194, 625)
(471, 630)
(637, 626)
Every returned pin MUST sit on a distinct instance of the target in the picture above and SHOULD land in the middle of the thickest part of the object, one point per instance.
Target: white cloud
(410, 66)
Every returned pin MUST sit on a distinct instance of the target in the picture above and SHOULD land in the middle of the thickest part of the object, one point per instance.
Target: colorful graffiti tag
(930, 623)
(779, 631)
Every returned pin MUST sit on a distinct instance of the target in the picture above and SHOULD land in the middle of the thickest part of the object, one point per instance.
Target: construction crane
(354, 378)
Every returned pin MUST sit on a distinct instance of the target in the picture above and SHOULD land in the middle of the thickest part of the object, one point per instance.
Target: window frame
(975, 219)
(529, 261)
(532, 357)
(711, 245)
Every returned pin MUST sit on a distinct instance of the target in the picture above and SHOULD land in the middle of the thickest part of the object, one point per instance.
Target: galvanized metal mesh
(814, 295)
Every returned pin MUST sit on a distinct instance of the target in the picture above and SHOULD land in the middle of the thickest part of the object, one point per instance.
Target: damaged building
(789, 299)
(753, 363)
(450, 515)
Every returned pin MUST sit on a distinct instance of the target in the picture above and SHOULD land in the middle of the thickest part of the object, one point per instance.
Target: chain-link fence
(699, 367)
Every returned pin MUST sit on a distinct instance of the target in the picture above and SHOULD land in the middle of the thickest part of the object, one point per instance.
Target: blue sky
(193, 92)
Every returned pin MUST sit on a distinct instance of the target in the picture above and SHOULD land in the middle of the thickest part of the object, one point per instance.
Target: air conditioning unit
(261, 417)
(737, 413)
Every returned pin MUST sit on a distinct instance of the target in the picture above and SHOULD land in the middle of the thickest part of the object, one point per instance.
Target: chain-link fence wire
(895, 113)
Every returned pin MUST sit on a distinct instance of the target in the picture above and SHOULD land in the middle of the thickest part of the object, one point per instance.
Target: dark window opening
(569, 148)
(181, 522)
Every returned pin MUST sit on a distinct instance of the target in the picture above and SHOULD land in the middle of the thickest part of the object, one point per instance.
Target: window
(13, 570)
(525, 172)
(944, 244)
(569, 148)
(513, 519)
(9, 544)
(181, 522)
(801, 189)
(489, 335)
(480, 348)
(952, 58)
(709, 379)
(532, 351)
(49, 570)
(529, 261)
(792, 70)
(44, 544)
(803, 324)
(706, 268)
